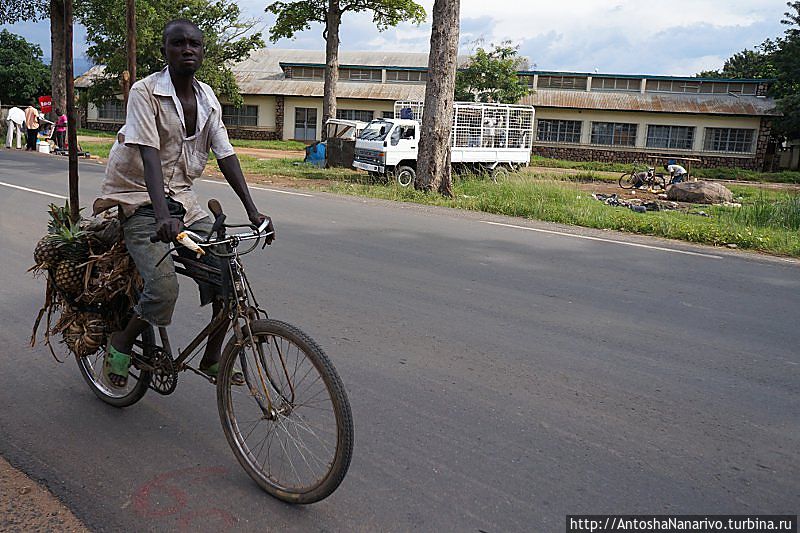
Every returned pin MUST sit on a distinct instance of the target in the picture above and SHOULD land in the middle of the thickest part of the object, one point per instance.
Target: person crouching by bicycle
(172, 121)
(677, 172)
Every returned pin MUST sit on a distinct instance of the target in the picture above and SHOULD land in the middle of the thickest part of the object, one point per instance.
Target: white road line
(600, 239)
(45, 193)
(261, 188)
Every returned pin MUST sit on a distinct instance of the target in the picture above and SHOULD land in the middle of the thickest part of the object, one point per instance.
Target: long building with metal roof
(579, 116)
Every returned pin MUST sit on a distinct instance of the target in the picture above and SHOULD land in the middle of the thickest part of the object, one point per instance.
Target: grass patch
(292, 168)
(269, 145)
(737, 174)
(96, 133)
(100, 149)
(751, 226)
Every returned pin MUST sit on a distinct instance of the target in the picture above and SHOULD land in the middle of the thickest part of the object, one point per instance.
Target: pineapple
(46, 252)
(61, 232)
(63, 250)
(69, 276)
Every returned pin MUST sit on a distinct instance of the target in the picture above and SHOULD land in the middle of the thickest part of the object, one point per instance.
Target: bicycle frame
(236, 314)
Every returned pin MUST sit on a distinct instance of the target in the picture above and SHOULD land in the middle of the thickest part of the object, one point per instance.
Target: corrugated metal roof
(704, 104)
(84, 81)
(267, 60)
(254, 83)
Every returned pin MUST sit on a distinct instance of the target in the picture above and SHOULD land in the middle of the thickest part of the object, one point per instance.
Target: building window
(305, 123)
(308, 73)
(677, 137)
(246, 115)
(558, 131)
(701, 87)
(355, 114)
(111, 110)
(616, 84)
(360, 74)
(406, 76)
(563, 82)
(613, 133)
(529, 80)
(729, 140)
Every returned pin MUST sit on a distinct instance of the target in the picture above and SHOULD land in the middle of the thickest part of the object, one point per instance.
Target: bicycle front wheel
(290, 425)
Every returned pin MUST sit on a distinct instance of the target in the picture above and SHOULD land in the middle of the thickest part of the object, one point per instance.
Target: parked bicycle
(289, 424)
(637, 178)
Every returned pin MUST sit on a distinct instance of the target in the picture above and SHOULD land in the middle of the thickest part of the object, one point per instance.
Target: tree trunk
(332, 21)
(433, 164)
(57, 77)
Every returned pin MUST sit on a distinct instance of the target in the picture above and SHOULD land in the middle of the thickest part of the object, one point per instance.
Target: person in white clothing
(677, 172)
(14, 120)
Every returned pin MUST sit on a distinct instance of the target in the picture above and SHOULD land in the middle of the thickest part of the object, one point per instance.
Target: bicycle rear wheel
(138, 380)
(290, 426)
(628, 180)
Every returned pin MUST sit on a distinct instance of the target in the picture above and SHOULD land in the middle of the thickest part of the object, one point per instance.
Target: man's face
(183, 49)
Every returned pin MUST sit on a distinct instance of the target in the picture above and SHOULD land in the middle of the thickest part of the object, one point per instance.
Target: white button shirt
(155, 118)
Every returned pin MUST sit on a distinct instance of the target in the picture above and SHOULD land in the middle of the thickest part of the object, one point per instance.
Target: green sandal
(116, 364)
(213, 371)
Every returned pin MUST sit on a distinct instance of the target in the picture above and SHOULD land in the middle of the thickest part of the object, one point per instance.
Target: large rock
(699, 192)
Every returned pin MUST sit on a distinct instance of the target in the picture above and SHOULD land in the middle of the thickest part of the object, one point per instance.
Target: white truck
(494, 138)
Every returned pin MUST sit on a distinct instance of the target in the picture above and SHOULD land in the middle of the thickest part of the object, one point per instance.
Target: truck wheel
(405, 176)
(500, 173)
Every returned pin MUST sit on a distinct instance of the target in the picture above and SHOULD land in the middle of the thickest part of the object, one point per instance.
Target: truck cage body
(481, 125)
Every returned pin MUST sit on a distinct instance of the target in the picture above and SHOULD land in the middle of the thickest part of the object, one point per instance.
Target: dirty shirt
(155, 118)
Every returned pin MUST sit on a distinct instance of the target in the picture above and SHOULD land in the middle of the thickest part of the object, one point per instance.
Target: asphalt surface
(500, 377)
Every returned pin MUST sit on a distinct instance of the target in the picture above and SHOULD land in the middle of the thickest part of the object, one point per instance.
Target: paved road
(500, 377)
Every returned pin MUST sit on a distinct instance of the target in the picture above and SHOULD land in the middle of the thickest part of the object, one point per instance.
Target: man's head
(182, 46)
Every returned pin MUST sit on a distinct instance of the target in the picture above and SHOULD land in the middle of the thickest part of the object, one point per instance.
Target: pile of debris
(91, 280)
(636, 205)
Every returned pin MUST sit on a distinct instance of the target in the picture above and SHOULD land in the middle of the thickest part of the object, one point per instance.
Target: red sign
(46, 103)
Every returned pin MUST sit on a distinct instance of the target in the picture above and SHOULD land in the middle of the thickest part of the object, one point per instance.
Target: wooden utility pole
(433, 170)
(129, 76)
(72, 116)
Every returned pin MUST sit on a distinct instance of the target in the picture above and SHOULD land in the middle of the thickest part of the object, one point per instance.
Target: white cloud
(627, 36)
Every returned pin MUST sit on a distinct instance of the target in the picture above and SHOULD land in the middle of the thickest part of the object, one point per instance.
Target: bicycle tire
(275, 333)
(89, 371)
(627, 180)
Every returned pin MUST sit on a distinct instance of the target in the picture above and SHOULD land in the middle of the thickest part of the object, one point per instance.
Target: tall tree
(23, 75)
(433, 162)
(228, 39)
(776, 59)
(787, 67)
(296, 16)
(12, 11)
(491, 75)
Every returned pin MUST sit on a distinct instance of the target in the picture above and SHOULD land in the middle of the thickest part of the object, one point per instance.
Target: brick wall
(103, 126)
(279, 113)
(577, 153)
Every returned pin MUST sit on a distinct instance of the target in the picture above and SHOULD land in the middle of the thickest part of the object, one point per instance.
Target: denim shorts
(157, 300)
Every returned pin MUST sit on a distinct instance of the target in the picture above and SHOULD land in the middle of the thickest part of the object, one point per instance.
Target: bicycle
(639, 178)
(290, 385)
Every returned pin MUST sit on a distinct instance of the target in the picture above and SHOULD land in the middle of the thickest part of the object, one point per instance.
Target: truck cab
(386, 145)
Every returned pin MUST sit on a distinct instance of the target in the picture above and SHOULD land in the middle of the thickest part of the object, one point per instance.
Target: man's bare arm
(232, 170)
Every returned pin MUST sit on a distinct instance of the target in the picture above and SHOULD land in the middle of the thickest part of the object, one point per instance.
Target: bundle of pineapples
(91, 280)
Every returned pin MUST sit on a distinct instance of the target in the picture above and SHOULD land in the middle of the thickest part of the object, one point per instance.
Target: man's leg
(10, 137)
(160, 292)
(212, 294)
(213, 349)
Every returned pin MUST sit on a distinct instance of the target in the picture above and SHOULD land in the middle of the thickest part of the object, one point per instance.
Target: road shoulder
(25, 505)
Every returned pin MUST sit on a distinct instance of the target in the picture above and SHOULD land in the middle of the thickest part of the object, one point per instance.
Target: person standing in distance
(172, 121)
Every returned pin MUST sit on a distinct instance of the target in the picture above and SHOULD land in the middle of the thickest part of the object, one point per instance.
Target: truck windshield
(376, 130)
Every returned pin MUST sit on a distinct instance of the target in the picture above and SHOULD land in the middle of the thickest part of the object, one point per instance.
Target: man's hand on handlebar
(257, 219)
(167, 229)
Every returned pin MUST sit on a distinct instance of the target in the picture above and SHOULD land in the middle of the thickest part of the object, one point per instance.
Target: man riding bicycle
(172, 121)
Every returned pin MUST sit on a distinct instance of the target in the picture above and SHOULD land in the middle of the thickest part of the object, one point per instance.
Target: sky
(665, 37)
